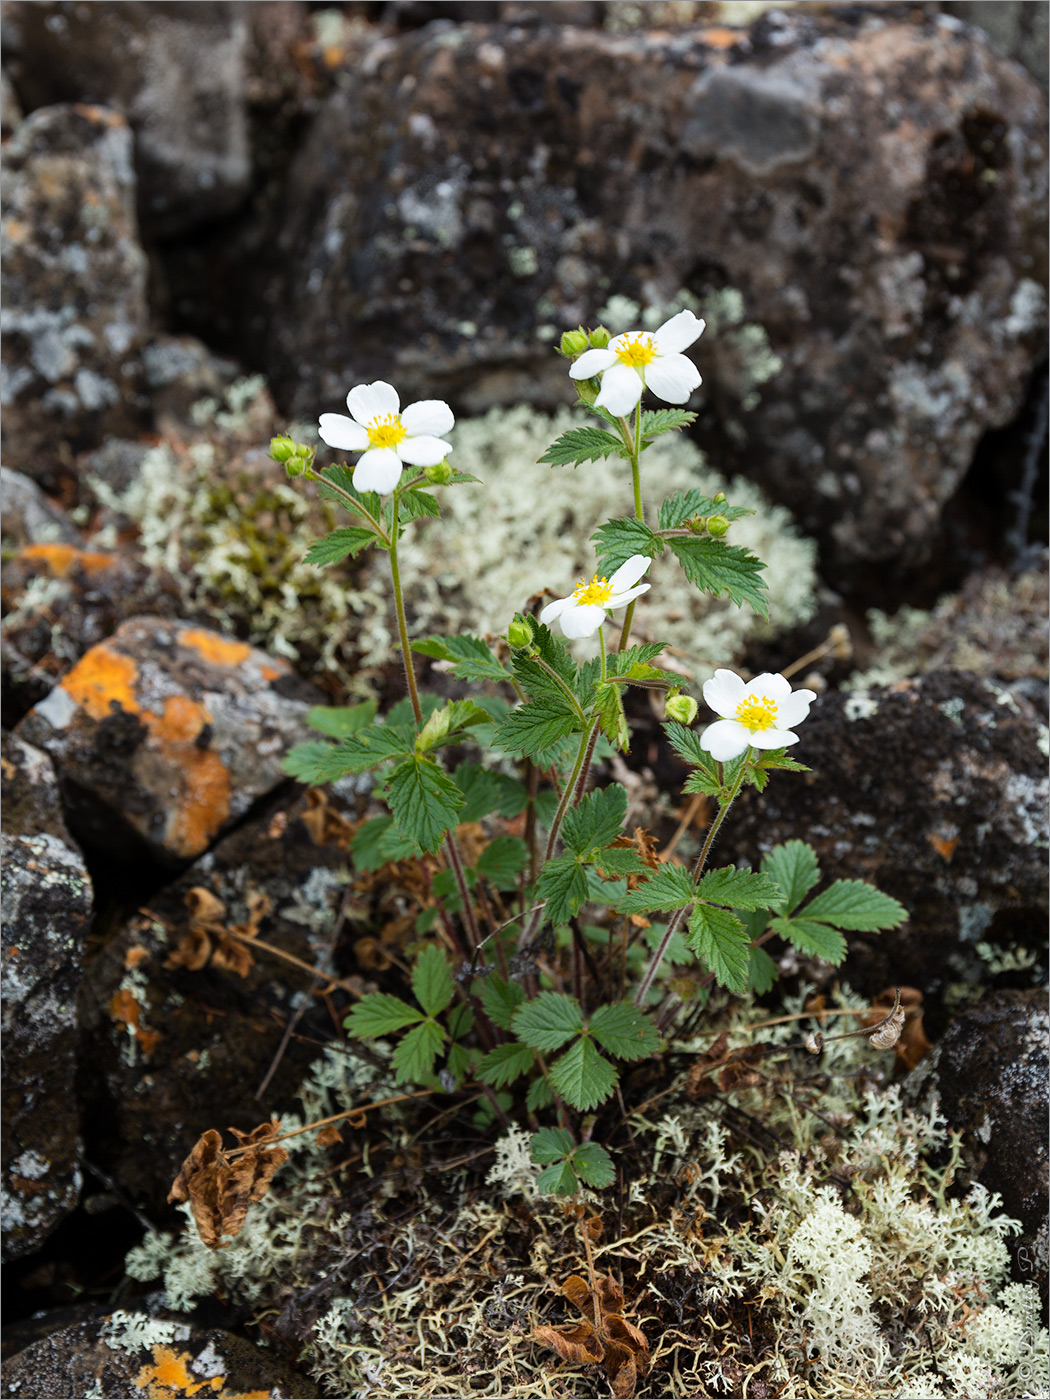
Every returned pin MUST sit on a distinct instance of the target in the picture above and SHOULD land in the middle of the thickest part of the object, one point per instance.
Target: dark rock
(175, 71)
(180, 372)
(30, 517)
(74, 289)
(990, 1074)
(935, 790)
(166, 734)
(857, 202)
(1016, 27)
(176, 1051)
(10, 110)
(47, 901)
(125, 1355)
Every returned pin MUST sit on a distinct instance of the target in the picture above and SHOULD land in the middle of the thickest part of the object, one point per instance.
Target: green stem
(639, 509)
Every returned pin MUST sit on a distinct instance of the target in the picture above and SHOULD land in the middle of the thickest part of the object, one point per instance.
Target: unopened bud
(697, 524)
(520, 633)
(281, 448)
(720, 499)
(574, 343)
(717, 526)
(600, 338)
(440, 474)
(682, 708)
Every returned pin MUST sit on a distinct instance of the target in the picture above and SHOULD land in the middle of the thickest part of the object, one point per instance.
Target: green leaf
(413, 1060)
(501, 999)
(717, 568)
(503, 860)
(794, 867)
(684, 505)
(381, 1014)
(559, 1180)
(624, 1031)
(857, 906)
(379, 841)
(534, 727)
(578, 445)
(582, 1077)
(310, 762)
(424, 800)
(316, 762)
(461, 1063)
(620, 860)
(444, 725)
(678, 950)
(416, 503)
(350, 540)
(432, 983)
(777, 759)
(474, 659)
(596, 820)
(506, 1063)
(550, 1145)
(761, 972)
(539, 1095)
(720, 940)
(593, 1165)
(668, 889)
(337, 484)
(341, 721)
(686, 744)
(813, 938)
(700, 780)
(739, 889)
(563, 884)
(548, 1021)
(617, 540)
(608, 707)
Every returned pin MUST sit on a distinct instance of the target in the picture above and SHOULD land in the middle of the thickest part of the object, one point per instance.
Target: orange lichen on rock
(169, 1378)
(220, 651)
(125, 1010)
(203, 803)
(59, 559)
(101, 678)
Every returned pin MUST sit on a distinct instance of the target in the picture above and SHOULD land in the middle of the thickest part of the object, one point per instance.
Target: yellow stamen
(757, 712)
(639, 352)
(599, 591)
(386, 430)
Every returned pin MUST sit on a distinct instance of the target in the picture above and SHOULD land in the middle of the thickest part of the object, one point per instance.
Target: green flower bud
(574, 343)
(697, 524)
(520, 633)
(717, 525)
(600, 338)
(281, 448)
(720, 499)
(440, 474)
(683, 708)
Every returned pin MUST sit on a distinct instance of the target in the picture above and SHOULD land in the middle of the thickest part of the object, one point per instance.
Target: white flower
(583, 612)
(640, 360)
(756, 714)
(387, 437)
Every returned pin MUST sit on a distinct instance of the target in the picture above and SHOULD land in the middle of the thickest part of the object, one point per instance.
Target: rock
(176, 1051)
(180, 372)
(1019, 29)
(176, 72)
(30, 517)
(47, 900)
(132, 1354)
(10, 110)
(166, 734)
(74, 289)
(481, 187)
(989, 1073)
(935, 790)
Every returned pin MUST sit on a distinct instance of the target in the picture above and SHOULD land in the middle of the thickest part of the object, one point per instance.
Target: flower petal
(795, 708)
(621, 389)
(428, 418)
(629, 572)
(590, 363)
(582, 621)
(672, 378)
(423, 451)
(770, 685)
(620, 600)
(678, 333)
(725, 739)
(773, 739)
(554, 610)
(368, 401)
(342, 433)
(724, 692)
(378, 470)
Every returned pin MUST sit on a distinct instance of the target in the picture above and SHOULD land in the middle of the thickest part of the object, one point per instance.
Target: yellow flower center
(599, 591)
(639, 352)
(756, 712)
(386, 430)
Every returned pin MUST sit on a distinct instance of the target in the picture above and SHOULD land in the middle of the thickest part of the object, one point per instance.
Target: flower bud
(697, 524)
(720, 499)
(440, 474)
(574, 343)
(600, 338)
(682, 708)
(520, 633)
(281, 448)
(717, 526)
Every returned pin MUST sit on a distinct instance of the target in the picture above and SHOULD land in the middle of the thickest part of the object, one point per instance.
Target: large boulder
(855, 200)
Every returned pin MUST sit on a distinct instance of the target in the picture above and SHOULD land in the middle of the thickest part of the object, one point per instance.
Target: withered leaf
(220, 1188)
(619, 1347)
(205, 908)
(328, 1137)
(326, 826)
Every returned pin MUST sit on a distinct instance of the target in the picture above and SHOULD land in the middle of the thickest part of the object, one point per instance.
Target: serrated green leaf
(413, 1060)
(686, 744)
(474, 659)
(563, 884)
(667, 889)
(337, 484)
(381, 1014)
(536, 726)
(624, 1031)
(539, 1095)
(339, 722)
(506, 1063)
(596, 820)
(424, 800)
(702, 781)
(310, 762)
(813, 938)
(593, 1165)
(684, 505)
(678, 950)
(503, 860)
(444, 725)
(582, 1076)
(578, 445)
(608, 709)
(461, 1063)
(348, 541)
(656, 422)
(432, 983)
(761, 972)
(500, 1000)
(368, 748)
(720, 940)
(550, 1145)
(558, 1180)
(719, 568)
(620, 860)
(856, 906)
(739, 889)
(548, 1021)
(417, 503)
(794, 867)
(617, 540)
(378, 841)
(777, 759)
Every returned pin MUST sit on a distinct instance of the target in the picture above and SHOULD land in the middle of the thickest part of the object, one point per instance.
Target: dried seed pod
(887, 1035)
(814, 1042)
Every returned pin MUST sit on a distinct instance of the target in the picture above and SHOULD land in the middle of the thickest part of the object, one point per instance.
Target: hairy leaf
(656, 422)
(501, 999)
(684, 505)
(739, 889)
(596, 820)
(593, 1165)
(381, 1014)
(550, 1145)
(856, 906)
(582, 1076)
(669, 888)
(558, 1180)
(341, 721)
(624, 1031)
(761, 972)
(563, 884)
(417, 503)
(813, 938)
(794, 867)
(444, 725)
(536, 726)
(617, 540)
(424, 800)
(548, 1021)
(473, 658)
(719, 568)
(432, 983)
(413, 1060)
(721, 941)
(506, 1063)
(503, 860)
(350, 540)
(608, 707)
(578, 445)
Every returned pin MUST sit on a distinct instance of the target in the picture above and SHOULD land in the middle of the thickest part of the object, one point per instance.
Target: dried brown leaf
(232, 955)
(192, 952)
(326, 826)
(206, 909)
(616, 1344)
(220, 1188)
(328, 1137)
(577, 1344)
